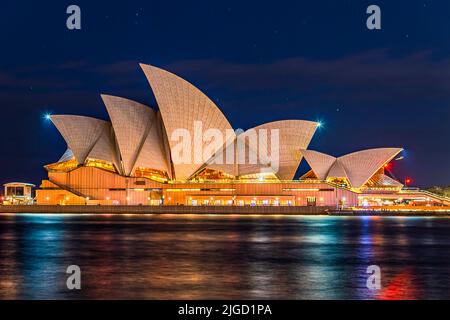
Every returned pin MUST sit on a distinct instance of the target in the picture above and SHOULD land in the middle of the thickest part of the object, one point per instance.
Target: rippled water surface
(210, 257)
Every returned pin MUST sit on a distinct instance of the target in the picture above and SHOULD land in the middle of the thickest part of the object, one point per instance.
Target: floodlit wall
(93, 184)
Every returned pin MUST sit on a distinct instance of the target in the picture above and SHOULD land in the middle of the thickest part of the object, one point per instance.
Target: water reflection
(212, 257)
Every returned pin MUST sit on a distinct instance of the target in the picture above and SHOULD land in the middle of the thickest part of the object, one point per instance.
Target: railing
(428, 193)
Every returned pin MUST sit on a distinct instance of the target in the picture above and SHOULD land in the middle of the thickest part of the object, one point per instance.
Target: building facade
(18, 193)
(187, 153)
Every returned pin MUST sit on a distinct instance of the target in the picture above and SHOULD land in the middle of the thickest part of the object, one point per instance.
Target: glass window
(15, 191)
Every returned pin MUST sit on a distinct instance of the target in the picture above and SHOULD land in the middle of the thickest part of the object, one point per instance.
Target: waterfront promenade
(241, 210)
(117, 209)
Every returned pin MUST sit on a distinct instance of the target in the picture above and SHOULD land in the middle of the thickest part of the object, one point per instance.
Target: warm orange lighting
(152, 174)
(65, 166)
(107, 198)
(105, 165)
(300, 189)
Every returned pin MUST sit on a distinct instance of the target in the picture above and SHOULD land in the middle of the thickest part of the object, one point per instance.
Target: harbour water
(223, 257)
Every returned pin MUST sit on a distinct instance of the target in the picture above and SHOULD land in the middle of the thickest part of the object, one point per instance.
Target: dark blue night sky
(259, 61)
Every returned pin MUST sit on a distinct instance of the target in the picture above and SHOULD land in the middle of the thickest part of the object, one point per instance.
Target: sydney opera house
(133, 159)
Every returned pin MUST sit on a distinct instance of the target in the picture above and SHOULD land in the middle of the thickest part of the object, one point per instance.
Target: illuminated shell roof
(232, 151)
(68, 155)
(105, 147)
(357, 167)
(319, 162)
(139, 136)
(181, 104)
(337, 170)
(81, 133)
(253, 163)
(131, 122)
(152, 154)
(221, 154)
(293, 135)
(382, 180)
(362, 165)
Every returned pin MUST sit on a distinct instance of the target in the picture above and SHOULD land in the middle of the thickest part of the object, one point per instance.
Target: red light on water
(401, 287)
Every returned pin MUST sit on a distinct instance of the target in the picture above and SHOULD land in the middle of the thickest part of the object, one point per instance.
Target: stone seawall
(285, 210)
(244, 210)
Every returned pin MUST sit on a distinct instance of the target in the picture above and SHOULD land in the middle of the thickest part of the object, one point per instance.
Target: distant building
(132, 160)
(18, 193)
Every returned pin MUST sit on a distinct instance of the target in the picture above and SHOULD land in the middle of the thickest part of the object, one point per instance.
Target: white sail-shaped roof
(252, 164)
(138, 136)
(81, 133)
(357, 167)
(152, 154)
(362, 165)
(382, 180)
(222, 165)
(68, 155)
(181, 104)
(105, 148)
(293, 135)
(131, 122)
(319, 162)
(337, 170)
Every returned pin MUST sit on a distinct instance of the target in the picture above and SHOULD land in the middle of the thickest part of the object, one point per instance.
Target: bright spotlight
(47, 116)
(319, 124)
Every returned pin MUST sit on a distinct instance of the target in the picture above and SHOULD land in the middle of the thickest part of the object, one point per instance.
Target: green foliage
(442, 191)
